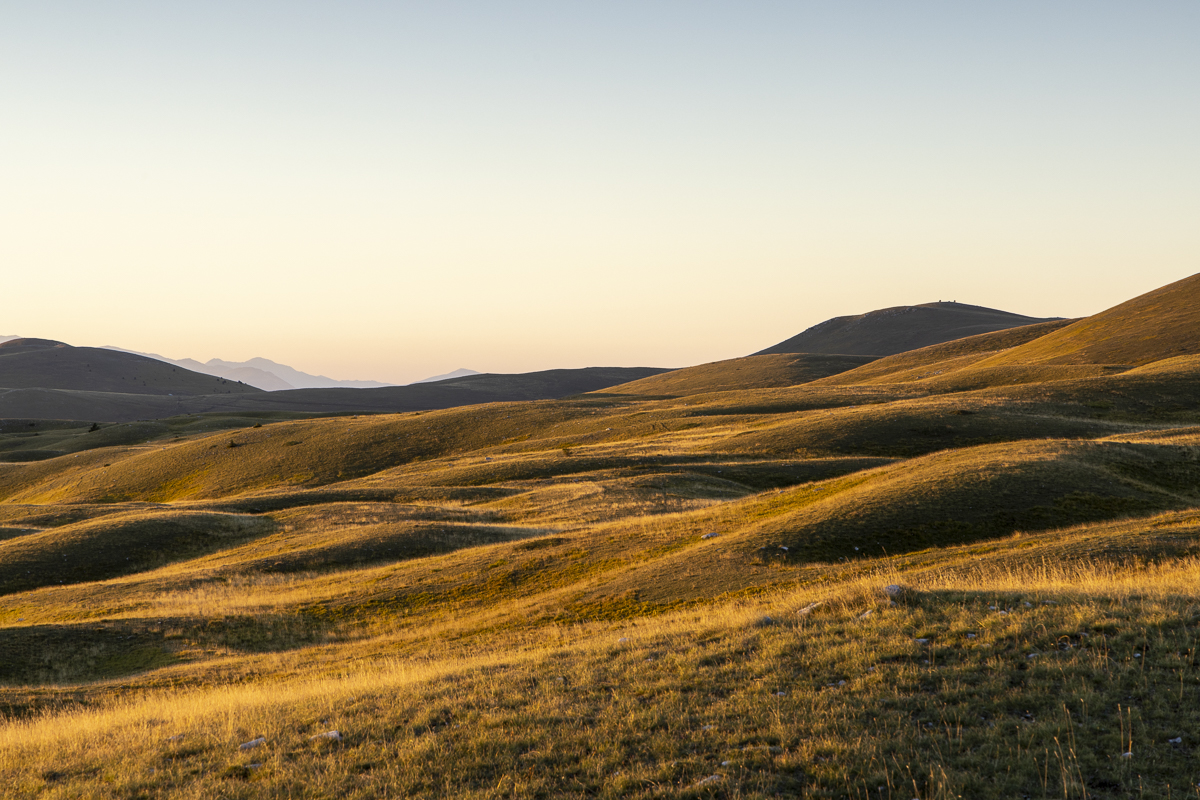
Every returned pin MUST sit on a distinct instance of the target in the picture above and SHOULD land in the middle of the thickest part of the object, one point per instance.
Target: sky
(391, 190)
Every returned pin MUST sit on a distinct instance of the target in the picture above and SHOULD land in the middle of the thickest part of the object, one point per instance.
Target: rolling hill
(923, 575)
(894, 330)
(1157, 325)
(46, 364)
(751, 372)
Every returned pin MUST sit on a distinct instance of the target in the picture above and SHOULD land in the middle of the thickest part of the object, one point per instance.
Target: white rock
(1176, 740)
(332, 736)
(710, 780)
(253, 743)
(709, 536)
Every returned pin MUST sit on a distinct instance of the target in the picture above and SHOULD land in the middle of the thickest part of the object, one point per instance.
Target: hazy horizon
(392, 191)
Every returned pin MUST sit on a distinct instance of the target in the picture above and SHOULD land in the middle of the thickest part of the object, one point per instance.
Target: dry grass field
(671, 588)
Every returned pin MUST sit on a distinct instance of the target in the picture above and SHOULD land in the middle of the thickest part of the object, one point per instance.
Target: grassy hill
(1157, 325)
(894, 330)
(671, 588)
(751, 372)
(46, 364)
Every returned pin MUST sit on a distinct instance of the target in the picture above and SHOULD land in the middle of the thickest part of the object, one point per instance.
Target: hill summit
(895, 330)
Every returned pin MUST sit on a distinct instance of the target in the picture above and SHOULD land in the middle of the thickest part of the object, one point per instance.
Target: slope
(751, 372)
(1157, 325)
(46, 364)
(895, 330)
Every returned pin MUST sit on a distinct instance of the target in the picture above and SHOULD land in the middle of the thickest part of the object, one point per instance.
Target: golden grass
(666, 703)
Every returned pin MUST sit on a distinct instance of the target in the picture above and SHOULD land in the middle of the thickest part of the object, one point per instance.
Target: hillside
(1157, 325)
(46, 364)
(751, 372)
(894, 330)
(677, 586)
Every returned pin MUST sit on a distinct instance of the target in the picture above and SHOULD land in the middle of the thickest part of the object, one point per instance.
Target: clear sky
(388, 190)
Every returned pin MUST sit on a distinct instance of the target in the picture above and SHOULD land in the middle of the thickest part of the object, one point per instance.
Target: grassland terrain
(968, 570)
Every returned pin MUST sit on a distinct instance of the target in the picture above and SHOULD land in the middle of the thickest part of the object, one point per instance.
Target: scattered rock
(253, 743)
(808, 609)
(711, 535)
(921, 641)
(176, 738)
(329, 736)
(896, 593)
(1176, 740)
(623, 640)
(711, 779)
(865, 614)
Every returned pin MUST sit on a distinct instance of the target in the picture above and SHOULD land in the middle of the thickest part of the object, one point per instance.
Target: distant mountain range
(261, 373)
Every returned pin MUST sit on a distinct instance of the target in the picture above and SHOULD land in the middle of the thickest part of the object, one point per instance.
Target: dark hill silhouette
(1160, 324)
(47, 364)
(895, 330)
(40, 403)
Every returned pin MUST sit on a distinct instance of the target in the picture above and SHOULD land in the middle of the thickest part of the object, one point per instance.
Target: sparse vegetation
(651, 593)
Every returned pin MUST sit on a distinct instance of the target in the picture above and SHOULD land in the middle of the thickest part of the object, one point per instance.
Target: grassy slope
(936, 359)
(570, 597)
(751, 372)
(1161, 324)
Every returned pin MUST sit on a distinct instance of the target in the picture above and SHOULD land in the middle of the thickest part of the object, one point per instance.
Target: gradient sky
(386, 190)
